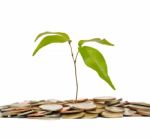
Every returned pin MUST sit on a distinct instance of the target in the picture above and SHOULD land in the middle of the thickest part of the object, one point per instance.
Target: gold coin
(73, 116)
(97, 111)
(90, 115)
(107, 114)
(114, 109)
(143, 112)
(136, 107)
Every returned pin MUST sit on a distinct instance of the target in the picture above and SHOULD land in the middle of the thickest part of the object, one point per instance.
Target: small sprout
(91, 56)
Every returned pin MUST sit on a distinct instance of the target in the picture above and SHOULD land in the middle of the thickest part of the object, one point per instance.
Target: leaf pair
(91, 56)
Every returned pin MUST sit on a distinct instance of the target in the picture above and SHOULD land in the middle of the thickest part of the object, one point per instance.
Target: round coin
(84, 106)
(73, 116)
(136, 107)
(107, 114)
(56, 115)
(128, 112)
(81, 100)
(20, 105)
(114, 102)
(143, 112)
(51, 107)
(71, 111)
(38, 114)
(90, 116)
(114, 109)
(97, 111)
(100, 106)
(105, 98)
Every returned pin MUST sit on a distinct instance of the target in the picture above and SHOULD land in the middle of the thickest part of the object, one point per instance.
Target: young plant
(91, 56)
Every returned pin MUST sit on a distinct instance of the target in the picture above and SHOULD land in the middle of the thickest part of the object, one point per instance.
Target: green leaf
(95, 60)
(53, 33)
(48, 40)
(98, 40)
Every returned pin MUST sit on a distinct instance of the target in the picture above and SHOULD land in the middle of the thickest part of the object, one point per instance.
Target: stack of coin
(107, 107)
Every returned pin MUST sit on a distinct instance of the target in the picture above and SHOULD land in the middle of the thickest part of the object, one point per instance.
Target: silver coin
(51, 107)
(84, 105)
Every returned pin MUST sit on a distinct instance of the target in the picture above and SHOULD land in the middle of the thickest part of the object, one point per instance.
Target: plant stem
(75, 69)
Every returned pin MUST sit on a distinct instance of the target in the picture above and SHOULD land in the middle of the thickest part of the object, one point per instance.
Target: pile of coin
(107, 107)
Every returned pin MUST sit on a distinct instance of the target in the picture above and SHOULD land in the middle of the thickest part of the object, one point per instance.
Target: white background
(49, 74)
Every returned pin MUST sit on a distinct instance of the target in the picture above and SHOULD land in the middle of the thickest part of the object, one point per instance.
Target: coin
(100, 106)
(107, 114)
(136, 115)
(81, 100)
(114, 102)
(52, 100)
(72, 111)
(38, 103)
(136, 107)
(38, 114)
(97, 111)
(114, 109)
(7, 109)
(84, 106)
(56, 115)
(140, 104)
(9, 114)
(100, 102)
(73, 116)
(104, 98)
(51, 107)
(108, 107)
(128, 112)
(143, 112)
(25, 113)
(13, 112)
(4, 107)
(19, 105)
(1, 115)
(90, 115)
(64, 109)
(121, 104)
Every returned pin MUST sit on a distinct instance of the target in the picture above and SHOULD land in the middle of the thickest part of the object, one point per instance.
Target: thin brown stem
(76, 57)
(75, 69)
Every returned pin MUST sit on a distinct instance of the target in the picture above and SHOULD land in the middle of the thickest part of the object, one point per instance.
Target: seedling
(91, 56)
